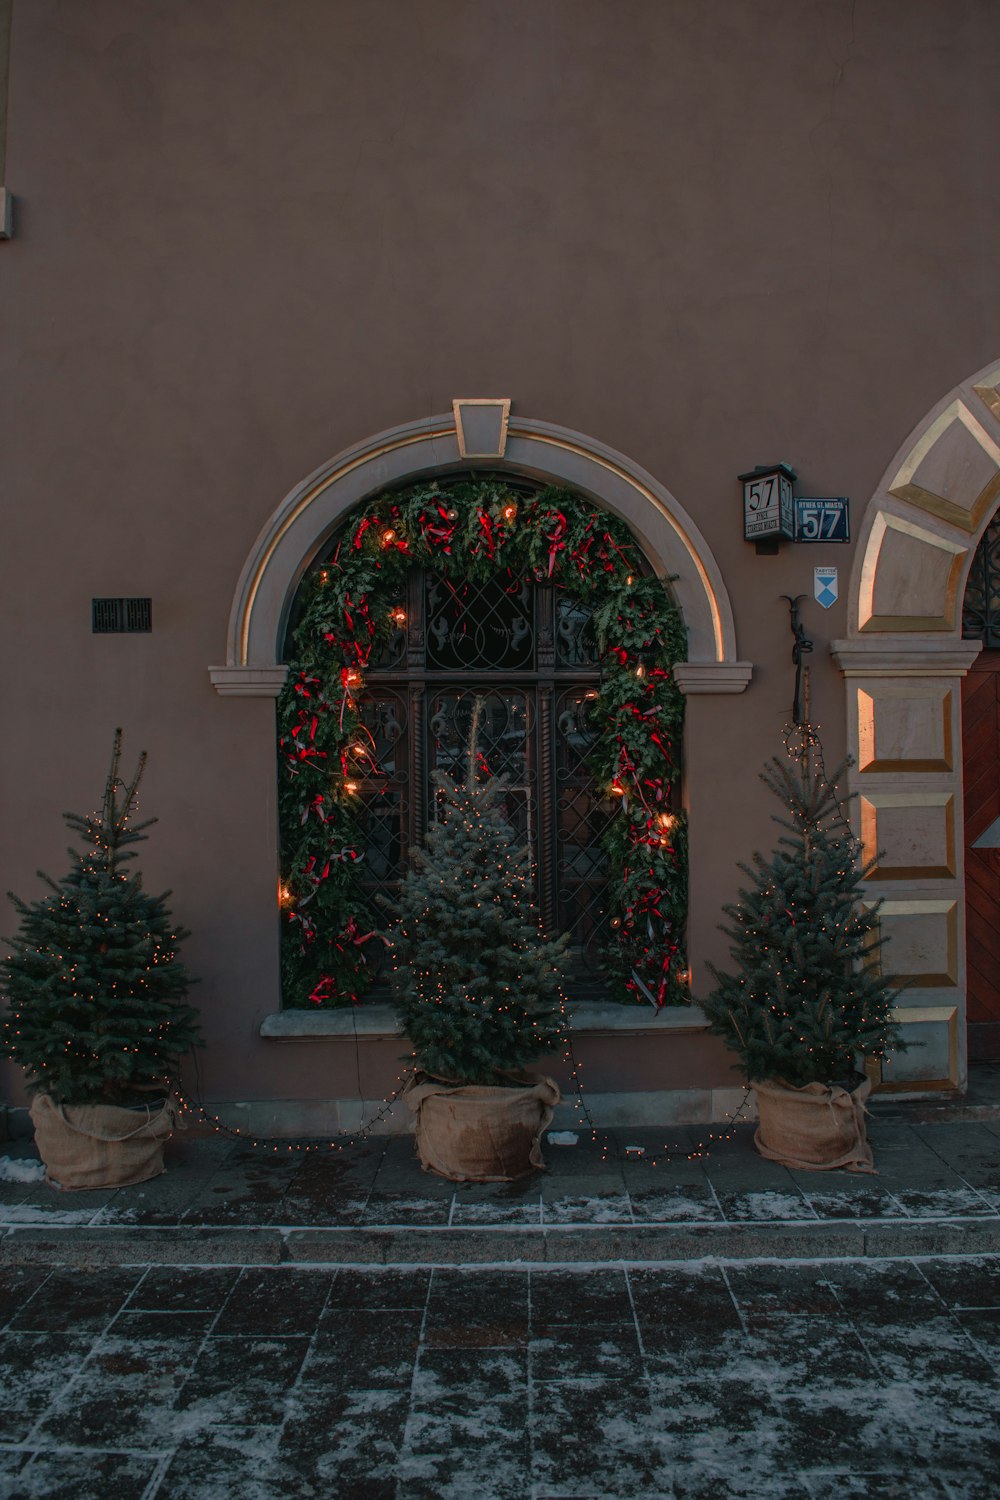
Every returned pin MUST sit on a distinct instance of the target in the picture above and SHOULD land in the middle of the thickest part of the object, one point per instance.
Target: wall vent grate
(131, 616)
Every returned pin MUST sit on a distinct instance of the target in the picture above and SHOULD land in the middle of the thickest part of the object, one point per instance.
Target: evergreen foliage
(475, 982)
(807, 995)
(94, 987)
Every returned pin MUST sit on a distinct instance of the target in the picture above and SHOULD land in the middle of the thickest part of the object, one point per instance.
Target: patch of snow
(769, 1206)
(21, 1169)
(562, 1138)
(612, 1208)
(51, 1218)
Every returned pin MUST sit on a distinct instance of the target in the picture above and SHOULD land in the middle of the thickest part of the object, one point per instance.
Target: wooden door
(981, 763)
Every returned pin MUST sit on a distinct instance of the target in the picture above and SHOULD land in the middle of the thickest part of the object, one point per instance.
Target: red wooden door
(981, 761)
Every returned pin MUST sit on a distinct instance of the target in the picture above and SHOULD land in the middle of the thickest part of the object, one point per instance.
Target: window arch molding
(311, 512)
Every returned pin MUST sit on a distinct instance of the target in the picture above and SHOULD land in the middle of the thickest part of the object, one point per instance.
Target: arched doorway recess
(903, 662)
(981, 788)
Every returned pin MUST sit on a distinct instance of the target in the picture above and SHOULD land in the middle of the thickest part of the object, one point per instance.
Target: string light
(342, 1140)
(700, 1151)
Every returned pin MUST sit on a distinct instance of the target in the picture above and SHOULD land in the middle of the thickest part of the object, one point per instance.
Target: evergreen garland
(94, 985)
(807, 996)
(349, 609)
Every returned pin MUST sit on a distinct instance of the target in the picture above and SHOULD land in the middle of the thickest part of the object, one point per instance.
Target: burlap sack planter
(100, 1145)
(475, 1133)
(817, 1128)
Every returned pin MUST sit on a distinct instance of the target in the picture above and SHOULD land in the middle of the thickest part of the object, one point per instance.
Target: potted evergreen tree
(807, 998)
(96, 1012)
(476, 986)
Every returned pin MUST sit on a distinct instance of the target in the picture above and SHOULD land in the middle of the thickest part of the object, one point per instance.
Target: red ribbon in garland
(487, 526)
(554, 537)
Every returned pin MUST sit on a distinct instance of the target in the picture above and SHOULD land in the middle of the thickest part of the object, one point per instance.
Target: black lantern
(768, 504)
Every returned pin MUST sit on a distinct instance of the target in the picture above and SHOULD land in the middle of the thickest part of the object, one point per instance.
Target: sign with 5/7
(822, 520)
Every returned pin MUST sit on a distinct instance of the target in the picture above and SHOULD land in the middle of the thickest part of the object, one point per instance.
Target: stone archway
(309, 514)
(903, 662)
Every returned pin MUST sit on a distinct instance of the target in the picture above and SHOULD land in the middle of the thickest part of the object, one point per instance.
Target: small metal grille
(134, 616)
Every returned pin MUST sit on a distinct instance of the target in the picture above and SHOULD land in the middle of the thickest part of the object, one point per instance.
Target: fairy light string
(339, 1141)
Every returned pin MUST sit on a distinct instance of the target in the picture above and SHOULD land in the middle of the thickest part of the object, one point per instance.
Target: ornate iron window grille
(981, 606)
(527, 649)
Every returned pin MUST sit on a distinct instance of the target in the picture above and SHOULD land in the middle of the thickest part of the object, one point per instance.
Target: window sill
(372, 1022)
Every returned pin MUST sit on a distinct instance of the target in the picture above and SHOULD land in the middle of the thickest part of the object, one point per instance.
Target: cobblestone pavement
(808, 1379)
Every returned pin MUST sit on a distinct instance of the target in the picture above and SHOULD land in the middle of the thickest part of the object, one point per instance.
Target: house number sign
(823, 520)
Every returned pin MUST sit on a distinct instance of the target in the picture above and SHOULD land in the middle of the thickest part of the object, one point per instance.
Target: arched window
(540, 604)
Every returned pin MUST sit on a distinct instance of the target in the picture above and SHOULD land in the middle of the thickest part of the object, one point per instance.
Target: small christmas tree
(807, 996)
(476, 984)
(93, 983)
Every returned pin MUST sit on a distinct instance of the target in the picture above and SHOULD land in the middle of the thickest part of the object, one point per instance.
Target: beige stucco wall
(249, 235)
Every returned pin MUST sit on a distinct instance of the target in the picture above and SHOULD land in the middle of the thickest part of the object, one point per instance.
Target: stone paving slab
(839, 1380)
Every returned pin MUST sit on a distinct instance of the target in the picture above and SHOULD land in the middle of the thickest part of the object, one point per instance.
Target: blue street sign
(823, 520)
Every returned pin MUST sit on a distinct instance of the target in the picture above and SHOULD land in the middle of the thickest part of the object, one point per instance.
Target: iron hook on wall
(801, 647)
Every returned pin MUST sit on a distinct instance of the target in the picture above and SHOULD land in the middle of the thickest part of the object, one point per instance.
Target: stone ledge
(368, 1021)
(904, 655)
(712, 676)
(372, 1022)
(312, 1119)
(248, 682)
(523, 1246)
